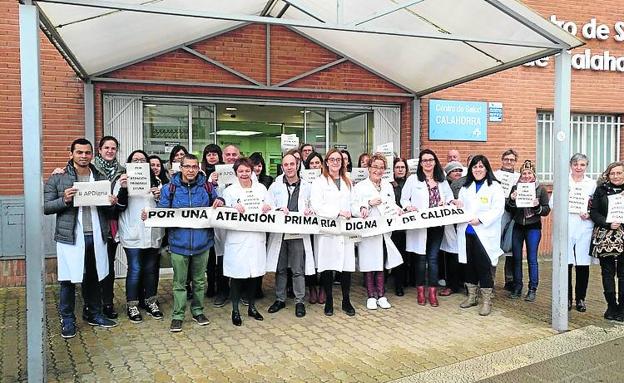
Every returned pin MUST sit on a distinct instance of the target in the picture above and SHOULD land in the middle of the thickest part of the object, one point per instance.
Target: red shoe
(321, 296)
(313, 295)
(433, 296)
(420, 298)
(445, 292)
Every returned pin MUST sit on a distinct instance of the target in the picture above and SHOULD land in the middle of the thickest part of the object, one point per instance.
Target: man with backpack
(188, 188)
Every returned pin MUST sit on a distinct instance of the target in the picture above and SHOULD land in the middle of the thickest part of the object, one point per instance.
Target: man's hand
(68, 194)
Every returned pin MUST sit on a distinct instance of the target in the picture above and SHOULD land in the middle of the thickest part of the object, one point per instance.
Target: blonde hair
(604, 178)
(378, 157)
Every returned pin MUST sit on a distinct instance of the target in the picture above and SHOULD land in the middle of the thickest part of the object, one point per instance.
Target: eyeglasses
(139, 160)
(507, 159)
(457, 170)
(190, 167)
(334, 160)
(427, 160)
(378, 167)
(399, 167)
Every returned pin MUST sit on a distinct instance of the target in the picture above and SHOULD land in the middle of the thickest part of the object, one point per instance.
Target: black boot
(612, 307)
(347, 307)
(620, 312)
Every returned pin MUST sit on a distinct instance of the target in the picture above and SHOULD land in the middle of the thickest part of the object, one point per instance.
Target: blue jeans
(142, 273)
(434, 240)
(90, 287)
(532, 238)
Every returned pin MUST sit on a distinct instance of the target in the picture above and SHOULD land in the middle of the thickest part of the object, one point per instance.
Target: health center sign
(458, 120)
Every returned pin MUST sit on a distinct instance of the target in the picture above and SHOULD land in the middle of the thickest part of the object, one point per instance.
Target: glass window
(596, 136)
(203, 128)
(164, 126)
(315, 129)
(349, 130)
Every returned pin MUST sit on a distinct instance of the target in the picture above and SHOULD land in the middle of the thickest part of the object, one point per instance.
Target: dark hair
(80, 141)
(362, 156)
(257, 159)
(306, 163)
(438, 172)
(108, 138)
(489, 174)
(244, 161)
(153, 179)
(508, 152)
(350, 164)
(189, 156)
(173, 152)
(211, 148)
(304, 145)
(163, 176)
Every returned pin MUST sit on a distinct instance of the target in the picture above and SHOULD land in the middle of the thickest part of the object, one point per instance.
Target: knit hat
(453, 165)
(528, 165)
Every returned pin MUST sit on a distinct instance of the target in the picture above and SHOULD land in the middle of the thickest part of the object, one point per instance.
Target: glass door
(349, 130)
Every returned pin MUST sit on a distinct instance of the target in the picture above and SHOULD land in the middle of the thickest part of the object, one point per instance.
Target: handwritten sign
(138, 178)
(526, 194)
(226, 174)
(507, 180)
(388, 208)
(309, 175)
(615, 213)
(386, 149)
(577, 200)
(389, 172)
(412, 165)
(175, 167)
(358, 175)
(289, 141)
(251, 201)
(92, 193)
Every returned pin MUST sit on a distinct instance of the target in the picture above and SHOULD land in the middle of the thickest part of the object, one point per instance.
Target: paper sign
(386, 149)
(175, 167)
(388, 208)
(412, 165)
(226, 174)
(251, 201)
(507, 180)
(389, 172)
(138, 178)
(358, 175)
(577, 200)
(526, 194)
(289, 141)
(309, 175)
(615, 213)
(92, 193)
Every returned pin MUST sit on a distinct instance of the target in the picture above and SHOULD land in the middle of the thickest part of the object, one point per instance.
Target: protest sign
(615, 213)
(251, 201)
(309, 175)
(358, 175)
(412, 165)
(507, 180)
(175, 167)
(289, 141)
(138, 178)
(577, 200)
(94, 193)
(525, 196)
(226, 173)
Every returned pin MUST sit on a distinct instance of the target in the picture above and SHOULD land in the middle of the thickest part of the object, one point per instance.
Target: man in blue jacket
(188, 188)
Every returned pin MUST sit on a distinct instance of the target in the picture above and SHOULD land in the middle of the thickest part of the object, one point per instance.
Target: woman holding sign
(478, 241)
(608, 237)
(374, 197)
(426, 189)
(244, 257)
(330, 197)
(528, 203)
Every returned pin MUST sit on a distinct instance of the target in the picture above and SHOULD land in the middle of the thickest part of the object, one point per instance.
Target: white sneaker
(383, 303)
(371, 304)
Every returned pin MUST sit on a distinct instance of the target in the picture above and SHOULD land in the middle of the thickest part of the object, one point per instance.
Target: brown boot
(471, 299)
(486, 302)
(433, 296)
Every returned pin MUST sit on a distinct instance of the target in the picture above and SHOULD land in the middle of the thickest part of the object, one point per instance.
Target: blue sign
(457, 120)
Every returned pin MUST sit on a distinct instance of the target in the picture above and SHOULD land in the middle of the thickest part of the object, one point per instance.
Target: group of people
(230, 264)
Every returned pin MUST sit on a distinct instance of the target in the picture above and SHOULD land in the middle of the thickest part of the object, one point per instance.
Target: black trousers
(327, 279)
(478, 266)
(108, 283)
(451, 271)
(612, 267)
(236, 290)
(582, 280)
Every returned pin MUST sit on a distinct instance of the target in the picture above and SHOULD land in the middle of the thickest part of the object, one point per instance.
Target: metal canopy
(420, 45)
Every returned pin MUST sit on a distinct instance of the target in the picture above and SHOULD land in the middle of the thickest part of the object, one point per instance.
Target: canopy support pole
(30, 82)
(561, 134)
(89, 110)
(415, 127)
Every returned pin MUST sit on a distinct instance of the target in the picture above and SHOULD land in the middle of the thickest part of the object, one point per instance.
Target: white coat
(333, 252)
(278, 198)
(416, 193)
(244, 253)
(132, 231)
(488, 206)
(70, 258)
(370, 249)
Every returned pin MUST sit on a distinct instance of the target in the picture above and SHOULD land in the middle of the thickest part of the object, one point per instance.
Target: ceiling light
(237, 133)
(231, 108)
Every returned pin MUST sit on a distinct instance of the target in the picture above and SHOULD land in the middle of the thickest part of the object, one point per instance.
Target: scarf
(109, 168)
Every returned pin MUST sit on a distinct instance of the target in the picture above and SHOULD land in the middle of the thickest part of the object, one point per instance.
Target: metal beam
(312, 71)
(384, 12)
(89, 111)
(221, 65)
(254, 87)
(434, 35)
(30, 82)
(305, 9)
(561, 136)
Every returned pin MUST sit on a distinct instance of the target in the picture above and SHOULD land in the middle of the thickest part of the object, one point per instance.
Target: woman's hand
(474, 222)
(400, 211)
(240, 208)
(266, 208)
(411, 208)
(615, 225)
(513, 195)
(214, 177)
(285, 210)
(155, 192)
(123, 180)
(113, 199)
(374, 202)
(217, 203)
(345, 214)
(458, 203)
(535, 202)
(308, 211)
(143, 215)
(584, 216)
(363, 212)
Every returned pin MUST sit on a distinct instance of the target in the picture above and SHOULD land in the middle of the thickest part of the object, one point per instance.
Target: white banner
(577, 200)
(297, 223)
(615, 212)
(226, 174)
(138, 178)
(94, 193)
(525, 196)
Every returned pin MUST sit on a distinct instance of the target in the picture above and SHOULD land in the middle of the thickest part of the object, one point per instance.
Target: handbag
(607, 242)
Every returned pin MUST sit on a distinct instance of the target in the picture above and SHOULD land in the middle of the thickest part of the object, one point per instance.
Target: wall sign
(457, 120)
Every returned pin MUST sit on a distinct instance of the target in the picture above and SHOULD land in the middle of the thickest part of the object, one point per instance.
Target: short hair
(578, 157)
(175, 150)
(377, 157)
(508, 152)
(80, 141)
(306, 144)
(361, 157)
(243, 161)
(108, 138)
(189, 156)
(292, 152)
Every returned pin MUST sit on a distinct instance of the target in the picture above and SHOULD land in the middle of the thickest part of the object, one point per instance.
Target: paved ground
(406, 342)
